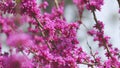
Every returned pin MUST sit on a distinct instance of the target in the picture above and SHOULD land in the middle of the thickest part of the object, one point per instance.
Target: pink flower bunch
(111, 53)
(48, 40)
(16, 61)
(28, 7)
(89, 4)
(94, 4)
(20, 41)
(98, 33)
(7, 6)
(19, 6)
(80, 3)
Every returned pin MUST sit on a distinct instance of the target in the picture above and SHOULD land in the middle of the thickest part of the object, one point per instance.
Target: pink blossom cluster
(89, 4)
(49, 41)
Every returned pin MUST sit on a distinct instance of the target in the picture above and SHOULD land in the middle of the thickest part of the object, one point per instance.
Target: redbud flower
(44, 5)
(17, 61)
(94, 4)
(21, 40)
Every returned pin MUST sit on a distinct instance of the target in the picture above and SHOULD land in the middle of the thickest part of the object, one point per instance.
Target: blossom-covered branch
(41, 39)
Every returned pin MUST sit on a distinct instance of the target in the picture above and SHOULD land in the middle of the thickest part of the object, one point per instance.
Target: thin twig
(41, 28)
(91, 52)
(95, 18)
(87, 63)
(118, 3)
(85, 26)
(56, 3)
(57, 6)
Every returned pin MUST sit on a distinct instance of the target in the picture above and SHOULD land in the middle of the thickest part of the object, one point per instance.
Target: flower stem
(56, 3)
(106, 46)
(118, 3)
(41, 28)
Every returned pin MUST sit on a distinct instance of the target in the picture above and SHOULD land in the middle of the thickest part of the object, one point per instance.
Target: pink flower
(21, 40)
(89, 4)
(1, 61)
(80, 3)
(7, 6)
(94, 4)
(112, 63)
(44, 5)
(17, 61)
(92, 32)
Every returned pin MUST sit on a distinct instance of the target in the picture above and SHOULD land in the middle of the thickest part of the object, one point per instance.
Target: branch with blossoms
(47, 40)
